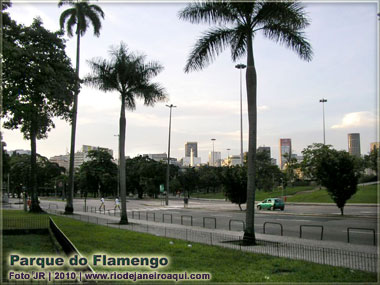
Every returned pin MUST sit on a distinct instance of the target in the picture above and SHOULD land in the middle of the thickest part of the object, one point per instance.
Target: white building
(79, 157)
(214, 158)
(19, 151)
(232, 160)
(157, 156)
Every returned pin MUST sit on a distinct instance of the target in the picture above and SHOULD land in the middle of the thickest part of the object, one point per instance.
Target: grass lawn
(365, 194)
(225, 265)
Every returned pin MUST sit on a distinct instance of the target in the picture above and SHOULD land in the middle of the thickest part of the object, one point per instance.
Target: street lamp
(323, 101)
(228, 156)
(240, 67)
(168, 167)
(213, 163)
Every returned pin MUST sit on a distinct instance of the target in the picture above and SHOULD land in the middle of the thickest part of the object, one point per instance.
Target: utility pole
(323, 101)
(168, 167)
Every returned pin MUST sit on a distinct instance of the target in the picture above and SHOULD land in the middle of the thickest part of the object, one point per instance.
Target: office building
(157, 156)
(191, 146)
(79, 157)
(214, 158)
(264, 149)
(285, 148)
(354, 144)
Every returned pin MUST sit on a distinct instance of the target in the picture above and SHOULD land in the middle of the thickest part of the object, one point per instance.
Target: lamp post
(323, 101)
(168, 167)
(213, 163)
(228, 156)
(240, 67)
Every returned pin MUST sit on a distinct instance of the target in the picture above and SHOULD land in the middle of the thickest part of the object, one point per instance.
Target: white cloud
(357, 119)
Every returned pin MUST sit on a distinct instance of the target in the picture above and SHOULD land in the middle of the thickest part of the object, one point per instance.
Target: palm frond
(207, 12)
(239, 42)
(208, 47)
(287, 13)
(102, 76)
(63, 18)
(70, 24)
(151, 93)
(291, 38)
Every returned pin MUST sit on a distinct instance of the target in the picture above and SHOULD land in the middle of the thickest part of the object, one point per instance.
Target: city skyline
(343, 71)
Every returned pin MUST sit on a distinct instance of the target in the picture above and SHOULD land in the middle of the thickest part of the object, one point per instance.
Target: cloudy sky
(344, 37)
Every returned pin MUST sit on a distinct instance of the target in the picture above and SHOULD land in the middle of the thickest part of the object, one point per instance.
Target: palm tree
(128, 74)
(80, 15)
(236, 26)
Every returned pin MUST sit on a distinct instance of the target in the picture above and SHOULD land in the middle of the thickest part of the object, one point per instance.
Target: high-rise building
(354, 144)
(264, 149)
(214, 158)
(191, 146)
(285, 148)
(374, 145)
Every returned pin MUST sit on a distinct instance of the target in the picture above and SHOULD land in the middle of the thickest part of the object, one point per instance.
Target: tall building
(285, 148)
(191, 146)
(214, 158)
(374, 145)
(354, 144)
(157, 156)
(264, 149)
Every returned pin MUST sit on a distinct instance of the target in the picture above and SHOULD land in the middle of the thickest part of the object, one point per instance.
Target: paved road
(328, 216)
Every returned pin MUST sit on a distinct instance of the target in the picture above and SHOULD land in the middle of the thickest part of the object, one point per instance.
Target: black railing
(239, 221)
(312, 226)
(187, 216)
(273, 224)
(361, 229)
(209, 218)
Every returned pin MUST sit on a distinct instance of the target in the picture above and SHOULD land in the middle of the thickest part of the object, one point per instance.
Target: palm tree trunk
(251, 82)
(35, 207)
(69, 209)
(122, 174)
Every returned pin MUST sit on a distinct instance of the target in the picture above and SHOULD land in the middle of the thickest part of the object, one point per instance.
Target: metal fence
(329, 256)
(26, 223)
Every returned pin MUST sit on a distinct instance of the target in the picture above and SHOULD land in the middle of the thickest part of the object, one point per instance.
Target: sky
(344, 70)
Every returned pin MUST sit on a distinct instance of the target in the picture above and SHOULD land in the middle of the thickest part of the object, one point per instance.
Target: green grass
(225, 265)
(365, 194)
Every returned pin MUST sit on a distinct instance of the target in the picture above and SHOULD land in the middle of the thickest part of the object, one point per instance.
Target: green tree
(20, 176)
(128, 74)
(234, 180)
(237, 24)
(267, 174)
(338, 172)
(312, 156)
(38, 83)
(99, 174)
(371, 160)
(291, 165)
(79, 16)
(189, 180)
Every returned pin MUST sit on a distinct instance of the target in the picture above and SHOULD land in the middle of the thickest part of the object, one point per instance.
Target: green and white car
(271, 204)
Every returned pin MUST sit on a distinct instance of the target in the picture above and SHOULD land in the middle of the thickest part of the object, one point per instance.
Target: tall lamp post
(323, 101)
(168, 167)
(228, 156)
(240, 67)
(213, 163)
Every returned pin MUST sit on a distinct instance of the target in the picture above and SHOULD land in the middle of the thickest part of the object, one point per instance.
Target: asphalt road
(310, 216)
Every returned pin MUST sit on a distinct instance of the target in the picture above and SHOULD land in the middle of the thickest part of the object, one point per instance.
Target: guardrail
(361, 229)
(187, 216)
(53, 204)
(273, 224)
(310, 226)
(240, 221)
(210, 218)
(163, 217)
(133, 214)
(147, 216)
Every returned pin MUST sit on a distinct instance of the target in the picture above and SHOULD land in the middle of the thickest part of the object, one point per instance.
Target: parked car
(271, 204)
